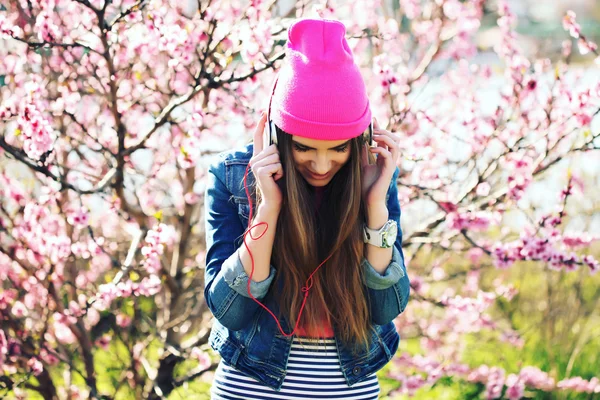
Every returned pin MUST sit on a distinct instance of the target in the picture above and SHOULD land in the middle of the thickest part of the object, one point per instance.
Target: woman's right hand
(266, 167)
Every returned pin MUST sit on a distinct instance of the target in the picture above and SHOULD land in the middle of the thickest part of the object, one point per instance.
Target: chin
(317, 182)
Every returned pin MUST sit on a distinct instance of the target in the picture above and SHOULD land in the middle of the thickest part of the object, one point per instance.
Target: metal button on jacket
(356, 370)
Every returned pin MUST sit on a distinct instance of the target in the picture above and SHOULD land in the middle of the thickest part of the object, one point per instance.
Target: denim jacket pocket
(257, 341)
(243, 210)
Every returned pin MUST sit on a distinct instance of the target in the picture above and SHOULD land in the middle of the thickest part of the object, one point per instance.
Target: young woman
(304, 265)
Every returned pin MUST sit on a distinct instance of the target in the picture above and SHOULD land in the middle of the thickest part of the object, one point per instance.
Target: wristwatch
(384, 237)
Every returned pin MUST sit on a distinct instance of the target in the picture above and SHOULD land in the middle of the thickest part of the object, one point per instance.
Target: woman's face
(319, 157)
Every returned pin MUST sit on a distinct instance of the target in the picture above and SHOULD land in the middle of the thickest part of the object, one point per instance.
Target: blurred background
(102, 250)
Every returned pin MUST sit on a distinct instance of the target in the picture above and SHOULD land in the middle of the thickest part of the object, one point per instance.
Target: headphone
(271, 135)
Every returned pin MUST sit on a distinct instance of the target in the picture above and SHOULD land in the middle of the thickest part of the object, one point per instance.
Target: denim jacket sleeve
(225, 280)
(389, 292)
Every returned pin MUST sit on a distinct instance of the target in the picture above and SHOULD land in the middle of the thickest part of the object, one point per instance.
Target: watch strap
(380, 237)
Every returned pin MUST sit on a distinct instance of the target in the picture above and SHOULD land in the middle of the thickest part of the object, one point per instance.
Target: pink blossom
(37, 134)
(508, 291)
(63, 333)
(15, 191)
(579, 384)
(103, 341)
(483, 189)
(505, 255)
(495, 383)
(586, 46)
(515, 389)
(7, 297)
(472, 281)
(3, 347)
(48, 357)
(513, 338)
(437, 273)
(534, 378)
(149, 286)
(47, 29)
(156, 239)
(411, 8)
(448, 206)
(92, 317)
(35, 365)
(123, 320)
(202, 357)
(583, 119)
(412, 384)
(592, 263)
(191, 198)
(79, 217)
(417, 284)
(473, 221)
(480, 374)
(475, 255)
(517, 185)
(570, 24)
(5, 27)
(19, 310)
(579, 240)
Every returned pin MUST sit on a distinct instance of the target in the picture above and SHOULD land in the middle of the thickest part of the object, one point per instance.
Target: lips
(318, 177)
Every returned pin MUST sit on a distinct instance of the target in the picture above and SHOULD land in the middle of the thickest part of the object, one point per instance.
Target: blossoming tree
(111, 109)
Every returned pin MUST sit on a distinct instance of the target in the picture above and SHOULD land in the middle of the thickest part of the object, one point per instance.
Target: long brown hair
(306, 237)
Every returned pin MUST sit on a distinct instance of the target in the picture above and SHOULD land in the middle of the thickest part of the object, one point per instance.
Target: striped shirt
(313, 372)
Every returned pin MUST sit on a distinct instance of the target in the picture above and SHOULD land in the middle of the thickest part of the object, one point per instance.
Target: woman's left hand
(376, 178)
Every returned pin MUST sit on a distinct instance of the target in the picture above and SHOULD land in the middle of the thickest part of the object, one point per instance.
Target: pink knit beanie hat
(319, 92)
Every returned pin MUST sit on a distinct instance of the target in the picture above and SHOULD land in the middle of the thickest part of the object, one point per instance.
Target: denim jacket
(244, 334)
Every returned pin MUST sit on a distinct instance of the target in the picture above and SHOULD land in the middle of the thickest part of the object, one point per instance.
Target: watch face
(389, 235)
(393, 229)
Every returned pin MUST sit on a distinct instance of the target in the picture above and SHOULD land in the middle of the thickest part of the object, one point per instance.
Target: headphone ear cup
(273, 133)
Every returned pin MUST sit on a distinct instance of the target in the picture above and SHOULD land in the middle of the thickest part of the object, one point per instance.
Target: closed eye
(338, 149)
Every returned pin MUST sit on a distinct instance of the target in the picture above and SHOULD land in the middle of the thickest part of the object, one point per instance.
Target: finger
(258, 134)
(270, 169)
(393, 147)
(264, 159)
(380, 150)
(383, 140)
(387, 157)
(278, 175)
(389, 138)
(396, 152)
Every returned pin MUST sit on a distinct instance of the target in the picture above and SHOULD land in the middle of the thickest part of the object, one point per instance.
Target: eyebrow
(312, 148)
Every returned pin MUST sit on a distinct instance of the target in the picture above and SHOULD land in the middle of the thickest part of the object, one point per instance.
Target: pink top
(325, 330)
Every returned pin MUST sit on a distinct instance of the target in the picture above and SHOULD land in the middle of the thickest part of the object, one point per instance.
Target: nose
(321, 165)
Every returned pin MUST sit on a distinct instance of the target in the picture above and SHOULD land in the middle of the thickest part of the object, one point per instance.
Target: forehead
(318, 144)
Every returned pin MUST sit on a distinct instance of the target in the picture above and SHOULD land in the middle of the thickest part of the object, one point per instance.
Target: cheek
(298, 158)
(304, 158)
(343, 159)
